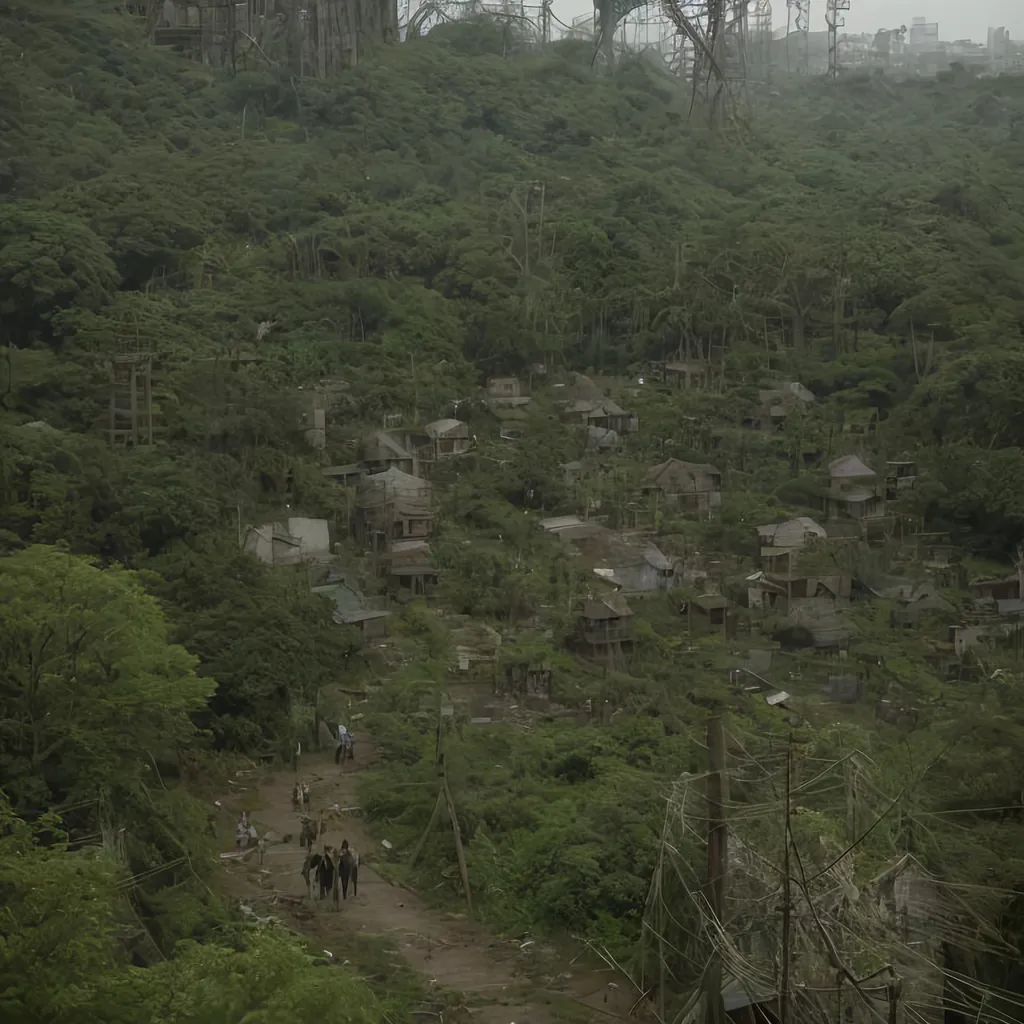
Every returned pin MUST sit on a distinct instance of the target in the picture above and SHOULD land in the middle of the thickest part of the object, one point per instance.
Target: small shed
(350, 609)
(710, 612)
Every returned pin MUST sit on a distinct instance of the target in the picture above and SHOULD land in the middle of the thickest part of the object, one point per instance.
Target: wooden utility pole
(445, 802)
(718, 859)
(787, 908)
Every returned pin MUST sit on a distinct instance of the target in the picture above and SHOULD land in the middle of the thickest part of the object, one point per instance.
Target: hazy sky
(958, 19)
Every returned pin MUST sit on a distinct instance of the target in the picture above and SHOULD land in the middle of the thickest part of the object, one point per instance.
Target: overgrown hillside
(458, 207)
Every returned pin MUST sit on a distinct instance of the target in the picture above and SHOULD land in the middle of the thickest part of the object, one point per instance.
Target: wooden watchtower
(131, 399)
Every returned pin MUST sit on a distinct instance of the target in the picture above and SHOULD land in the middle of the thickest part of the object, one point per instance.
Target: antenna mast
(835, 21)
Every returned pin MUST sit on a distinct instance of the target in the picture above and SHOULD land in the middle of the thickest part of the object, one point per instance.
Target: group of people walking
(332, 869)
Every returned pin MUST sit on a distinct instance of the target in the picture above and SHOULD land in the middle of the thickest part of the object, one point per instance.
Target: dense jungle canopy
(455, 207)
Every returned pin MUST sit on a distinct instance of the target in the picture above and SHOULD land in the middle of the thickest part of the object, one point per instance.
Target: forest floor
(499, 982)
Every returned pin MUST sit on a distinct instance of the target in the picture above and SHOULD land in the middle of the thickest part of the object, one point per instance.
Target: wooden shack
(685, 486)
(853, 489)
(392, 506)
(606, 627)
(447, 438)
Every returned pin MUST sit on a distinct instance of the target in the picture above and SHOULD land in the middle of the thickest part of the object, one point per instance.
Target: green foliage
(92, 687)
(58, 936)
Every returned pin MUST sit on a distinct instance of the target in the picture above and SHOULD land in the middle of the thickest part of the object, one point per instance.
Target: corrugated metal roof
(849, 467)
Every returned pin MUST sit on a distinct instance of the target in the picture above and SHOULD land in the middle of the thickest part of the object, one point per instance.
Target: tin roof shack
(708, 613)
(392, 506)
(409, 570)
(632, 566)
(407, 582)
(687, 375)
(1002, 588)
(685, 486)
(821, 593)
(384, 451)
(762, 594)
(606, 627)
(780, 541)
(350, 609)
(585, 403)
(447, 438)
(900, 479)
(853, 490)
(289, 542)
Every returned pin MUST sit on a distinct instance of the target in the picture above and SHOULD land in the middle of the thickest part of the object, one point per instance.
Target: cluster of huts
(797, 588)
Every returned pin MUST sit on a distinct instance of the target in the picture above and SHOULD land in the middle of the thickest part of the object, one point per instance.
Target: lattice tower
(715, 35)
(760, 39)
(835, 21)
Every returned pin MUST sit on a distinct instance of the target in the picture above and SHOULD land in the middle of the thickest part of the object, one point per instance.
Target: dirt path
(450, 950)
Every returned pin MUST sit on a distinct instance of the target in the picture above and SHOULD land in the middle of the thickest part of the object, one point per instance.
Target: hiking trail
(502, 983)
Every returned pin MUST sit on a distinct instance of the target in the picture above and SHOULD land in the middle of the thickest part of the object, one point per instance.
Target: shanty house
(630, 567)
(602, 413)
(351, 610)
(709, 613)
(853, 489)
(392, 506)
(1005, 588)
(606, 626)
(779, 541)
(689, 486)
(900, 477)
(289, 542)
(384, 451)
(585, 404)
(409, 570)
(447, 437)
(762, 593)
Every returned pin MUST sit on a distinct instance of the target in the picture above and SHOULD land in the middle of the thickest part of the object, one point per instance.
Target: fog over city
(956, 19)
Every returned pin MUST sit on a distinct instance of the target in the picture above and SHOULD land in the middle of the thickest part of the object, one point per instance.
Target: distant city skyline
(957, 19)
